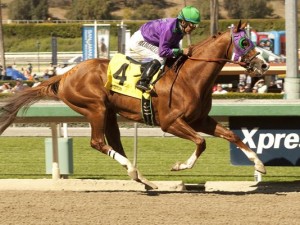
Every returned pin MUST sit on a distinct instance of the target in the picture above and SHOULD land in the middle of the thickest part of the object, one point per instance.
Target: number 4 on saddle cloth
(122, 75)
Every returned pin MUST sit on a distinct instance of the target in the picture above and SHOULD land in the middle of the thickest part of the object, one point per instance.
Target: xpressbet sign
(268, 141)
(276, 140)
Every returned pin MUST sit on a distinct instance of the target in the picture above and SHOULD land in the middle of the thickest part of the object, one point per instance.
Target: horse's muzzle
(265, 67)
(257, 66)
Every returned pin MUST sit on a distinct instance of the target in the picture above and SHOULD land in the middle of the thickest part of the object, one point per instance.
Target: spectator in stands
(262, 44)
(19, 86)
(36, 81)
(274, 88)
(14, 66)
(261, 86)
(241, 88)
(248, 83)
(13, 74)
(7, 76)
(254, 90)
(5, 88)
(50, 71)
(279, 84)
(220, 90)
(2, 72)
(26, 73)
(246, 80)
(29, 68)
(268, 45)
(51, 67)
(229, 87)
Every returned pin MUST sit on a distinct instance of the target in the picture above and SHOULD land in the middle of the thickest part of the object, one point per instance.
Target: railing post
(135, 143)
(55, 160)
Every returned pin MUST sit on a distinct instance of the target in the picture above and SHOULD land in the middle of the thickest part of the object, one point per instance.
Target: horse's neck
(214, 47)
(204, 69)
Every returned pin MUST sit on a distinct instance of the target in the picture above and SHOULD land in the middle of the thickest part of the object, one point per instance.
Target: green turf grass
(24, 157)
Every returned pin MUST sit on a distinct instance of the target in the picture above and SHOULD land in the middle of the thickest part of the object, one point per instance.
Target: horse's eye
(244, 43)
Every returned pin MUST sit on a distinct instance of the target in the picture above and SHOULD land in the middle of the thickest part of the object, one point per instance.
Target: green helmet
(190, 14)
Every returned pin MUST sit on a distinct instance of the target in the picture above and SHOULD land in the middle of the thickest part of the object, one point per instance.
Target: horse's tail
(25, 98)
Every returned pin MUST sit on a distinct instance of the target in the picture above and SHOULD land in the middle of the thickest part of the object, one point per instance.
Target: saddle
(123, 73)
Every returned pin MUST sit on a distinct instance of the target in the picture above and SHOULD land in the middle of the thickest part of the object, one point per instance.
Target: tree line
(132, 9)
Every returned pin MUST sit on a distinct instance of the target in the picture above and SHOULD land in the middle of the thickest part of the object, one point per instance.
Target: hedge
(67, 30)
(236, 95)
(230, 95)
(73, 30)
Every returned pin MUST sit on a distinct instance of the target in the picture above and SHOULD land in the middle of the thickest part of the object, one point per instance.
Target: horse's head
(244, 51)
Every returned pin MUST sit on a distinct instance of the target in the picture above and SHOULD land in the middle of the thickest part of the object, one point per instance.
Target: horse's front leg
(181, 129)
(210, 126)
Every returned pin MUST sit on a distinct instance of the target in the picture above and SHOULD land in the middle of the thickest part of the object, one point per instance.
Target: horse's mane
(198, 46)
(178, 61)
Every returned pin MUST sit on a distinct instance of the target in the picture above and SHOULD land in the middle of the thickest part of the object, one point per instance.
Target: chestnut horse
(181, 102)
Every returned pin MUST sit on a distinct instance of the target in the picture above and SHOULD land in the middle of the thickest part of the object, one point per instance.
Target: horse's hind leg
(112, 133)
(116, 150)
(210, 126)
(103, 123)
(229, 135)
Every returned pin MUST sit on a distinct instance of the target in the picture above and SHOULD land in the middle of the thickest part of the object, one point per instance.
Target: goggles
(186, 23)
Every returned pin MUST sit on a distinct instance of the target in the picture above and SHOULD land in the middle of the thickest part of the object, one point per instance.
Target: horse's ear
(239, 26)
(244, 25)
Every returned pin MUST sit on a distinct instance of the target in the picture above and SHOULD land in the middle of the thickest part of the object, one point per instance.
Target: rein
(219, 60)
(246, 64)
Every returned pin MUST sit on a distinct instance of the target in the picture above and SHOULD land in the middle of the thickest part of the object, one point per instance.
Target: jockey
(159, 40)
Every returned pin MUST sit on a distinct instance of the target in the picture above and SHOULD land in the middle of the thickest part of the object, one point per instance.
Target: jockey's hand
(187, 51)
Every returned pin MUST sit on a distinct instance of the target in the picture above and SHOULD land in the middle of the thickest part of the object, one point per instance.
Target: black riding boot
(148, 73)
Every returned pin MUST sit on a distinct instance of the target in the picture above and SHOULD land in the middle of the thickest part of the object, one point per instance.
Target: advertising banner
(276, 140)
(95, 41)
(88, 42)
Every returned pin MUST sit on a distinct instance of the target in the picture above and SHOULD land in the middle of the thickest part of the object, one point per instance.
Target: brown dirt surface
(118, 208)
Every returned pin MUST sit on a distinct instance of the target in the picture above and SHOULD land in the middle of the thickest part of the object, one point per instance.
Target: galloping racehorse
(181, 99)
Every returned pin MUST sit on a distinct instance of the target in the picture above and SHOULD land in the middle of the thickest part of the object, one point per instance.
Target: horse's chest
(198, 109)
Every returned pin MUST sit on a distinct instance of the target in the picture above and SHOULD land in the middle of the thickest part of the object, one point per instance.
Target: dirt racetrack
(269, 204)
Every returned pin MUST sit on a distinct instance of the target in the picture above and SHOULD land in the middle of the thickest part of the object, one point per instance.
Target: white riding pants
(138, 44)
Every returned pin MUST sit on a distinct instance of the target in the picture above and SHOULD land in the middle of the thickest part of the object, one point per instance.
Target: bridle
(246, 63)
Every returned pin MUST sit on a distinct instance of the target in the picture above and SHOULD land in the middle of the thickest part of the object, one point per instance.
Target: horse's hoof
(176, 167)
(148, 185)
(138, 177)
(133, 173)
(259, 167)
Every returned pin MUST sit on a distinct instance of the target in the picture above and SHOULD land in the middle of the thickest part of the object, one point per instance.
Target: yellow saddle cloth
(123, 75)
